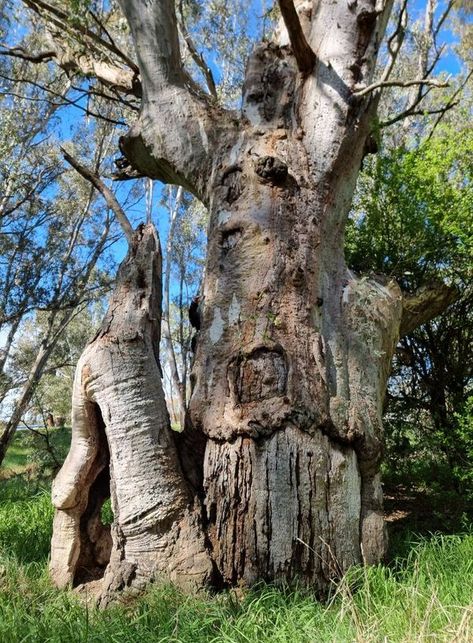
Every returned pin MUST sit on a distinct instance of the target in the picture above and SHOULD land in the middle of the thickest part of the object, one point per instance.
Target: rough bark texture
(284, 435)
(294, 351)
(122, 446)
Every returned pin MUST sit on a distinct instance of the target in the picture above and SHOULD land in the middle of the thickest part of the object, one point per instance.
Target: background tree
(54, 236)
(412, 220)
(185, 250)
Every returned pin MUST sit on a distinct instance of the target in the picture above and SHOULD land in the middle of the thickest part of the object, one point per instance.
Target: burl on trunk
(276, 476)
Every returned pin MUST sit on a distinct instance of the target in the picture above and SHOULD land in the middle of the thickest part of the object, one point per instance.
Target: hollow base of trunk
(123, 448)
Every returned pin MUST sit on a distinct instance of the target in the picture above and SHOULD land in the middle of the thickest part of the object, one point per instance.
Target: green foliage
(462, 435)
(412, 220)
(37, 454)
(48, 449)
(412, 215)
(53, 394)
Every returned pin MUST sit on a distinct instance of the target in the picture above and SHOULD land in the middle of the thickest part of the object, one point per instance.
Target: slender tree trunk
(172, 359)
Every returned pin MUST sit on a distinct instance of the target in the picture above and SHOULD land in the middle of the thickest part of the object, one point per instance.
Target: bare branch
(20, 52)
(104, 191)
(65, 100)
(425, 304)
(302, 51)
(442, 18)
(451, 103)
(418, 112)
(399, 83)
(108, 34)
(395, 41)
(196, 57)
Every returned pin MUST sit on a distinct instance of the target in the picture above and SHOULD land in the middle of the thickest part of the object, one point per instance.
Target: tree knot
(271, 169)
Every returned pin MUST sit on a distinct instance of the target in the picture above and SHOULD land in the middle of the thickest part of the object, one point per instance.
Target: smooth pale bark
(122, 446)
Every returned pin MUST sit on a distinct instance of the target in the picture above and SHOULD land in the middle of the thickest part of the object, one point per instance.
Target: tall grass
(426, 596)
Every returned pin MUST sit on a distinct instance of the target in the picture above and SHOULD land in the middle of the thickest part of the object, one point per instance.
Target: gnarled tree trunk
(123, 447)
(282, 448)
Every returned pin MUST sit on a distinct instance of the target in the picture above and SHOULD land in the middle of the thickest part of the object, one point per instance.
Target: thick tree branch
(154, 30)
(62, 20)
(301, 49)
(104, 191)
(98, 58)
(110, 75)
(425, 304)
(182, 154)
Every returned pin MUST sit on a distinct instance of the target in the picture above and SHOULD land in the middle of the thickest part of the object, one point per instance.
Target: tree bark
(293, 354)
(122, 446)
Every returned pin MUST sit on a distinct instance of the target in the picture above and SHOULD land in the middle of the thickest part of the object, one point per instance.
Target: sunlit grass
(16, 459)
(424, 597)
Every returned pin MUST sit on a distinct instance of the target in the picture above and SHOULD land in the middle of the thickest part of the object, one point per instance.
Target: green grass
(18, 454)
(426, 596)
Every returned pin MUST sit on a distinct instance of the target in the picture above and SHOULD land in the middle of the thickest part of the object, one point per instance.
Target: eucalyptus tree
(182, 276)
(70, 244)
(277, 473)
(52, 236)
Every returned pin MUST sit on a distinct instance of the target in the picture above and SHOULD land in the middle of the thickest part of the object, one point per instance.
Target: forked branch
(198, 58)
(395, 41)
(301, 49)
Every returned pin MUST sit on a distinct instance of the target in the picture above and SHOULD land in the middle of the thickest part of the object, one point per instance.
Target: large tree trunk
(284, 437)
(294, 351)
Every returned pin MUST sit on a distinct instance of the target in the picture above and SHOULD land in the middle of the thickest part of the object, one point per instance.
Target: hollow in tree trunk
(123, 447)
